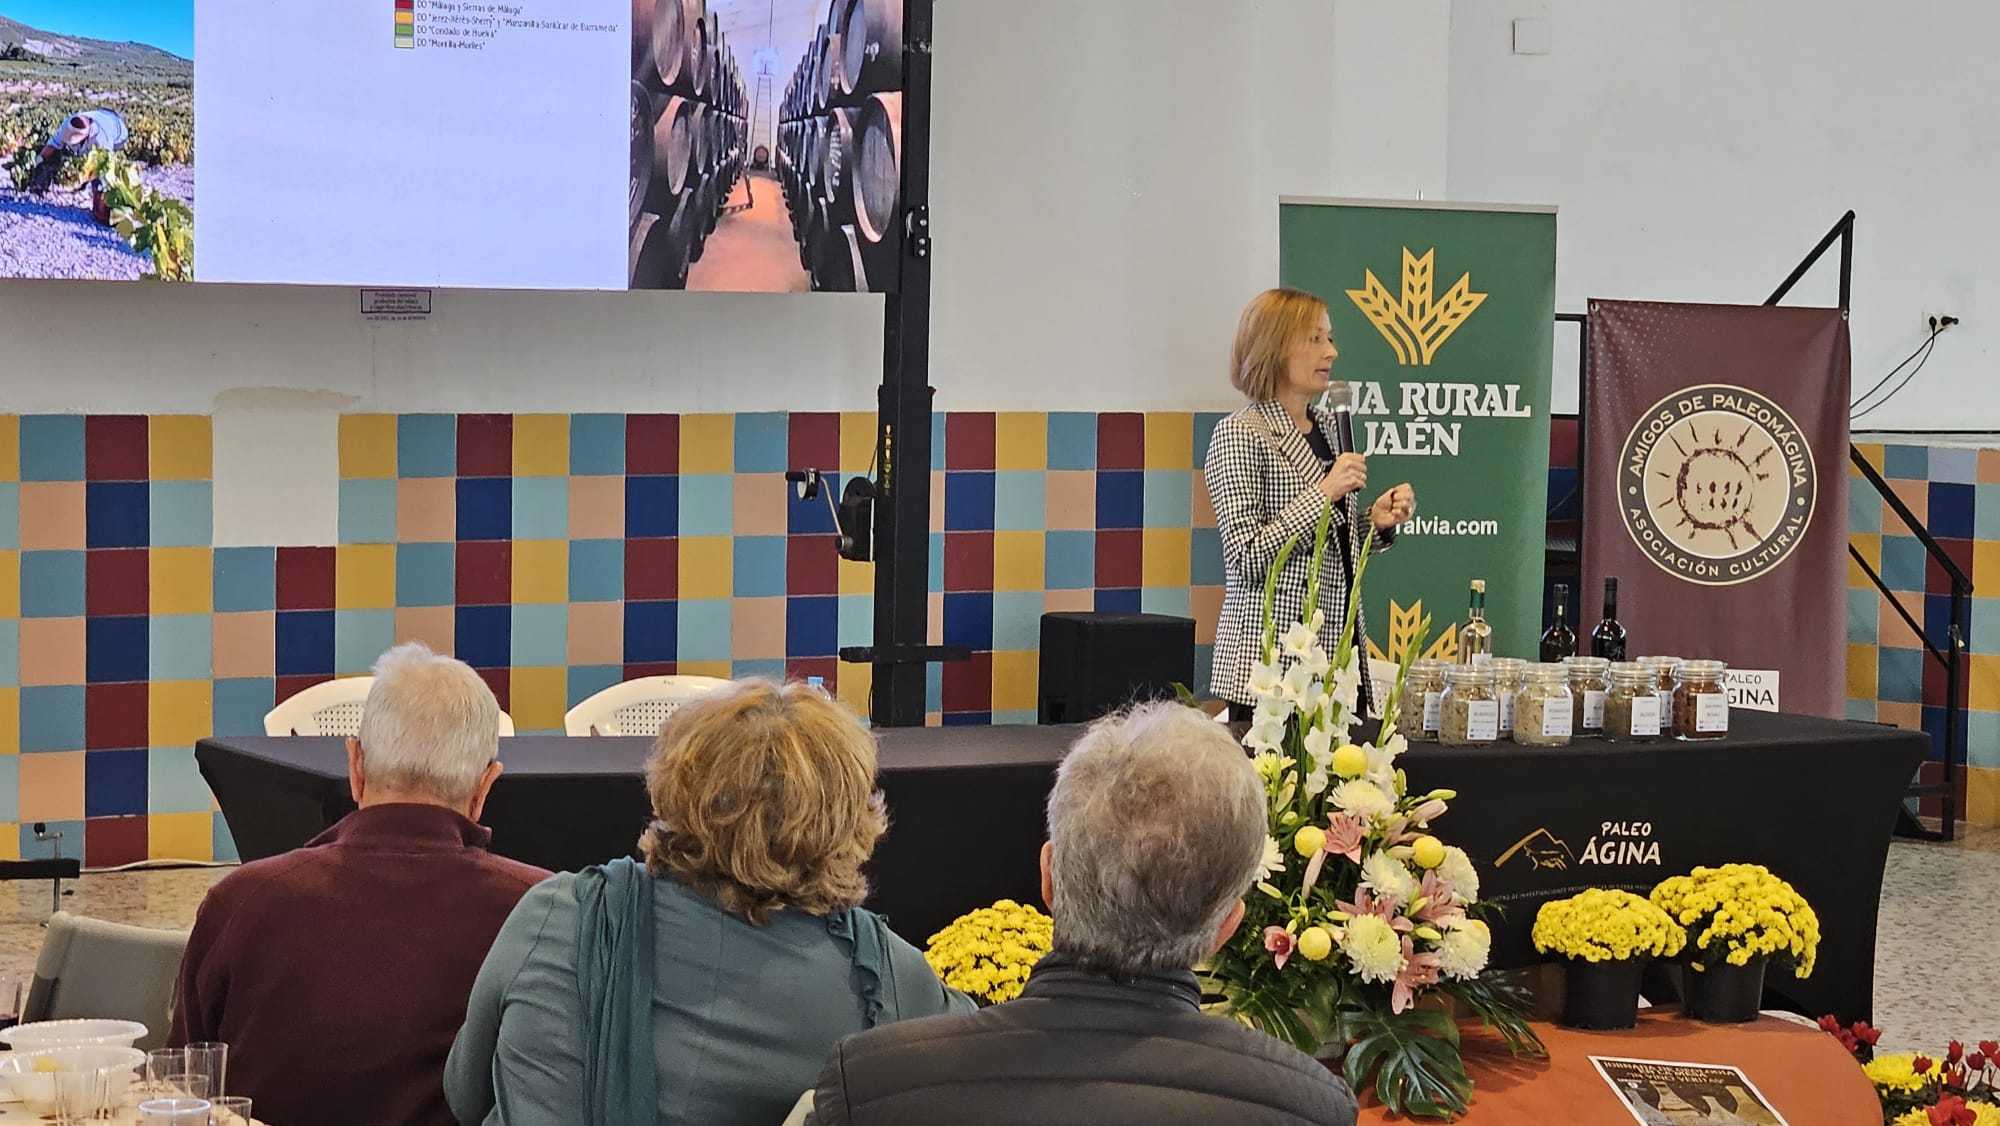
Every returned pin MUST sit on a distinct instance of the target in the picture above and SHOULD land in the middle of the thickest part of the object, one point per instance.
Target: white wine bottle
(1475, 637)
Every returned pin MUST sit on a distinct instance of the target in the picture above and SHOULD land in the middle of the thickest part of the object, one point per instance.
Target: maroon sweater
(338, 973)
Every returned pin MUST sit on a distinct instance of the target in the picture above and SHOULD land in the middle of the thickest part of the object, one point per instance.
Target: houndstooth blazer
(1263, 479)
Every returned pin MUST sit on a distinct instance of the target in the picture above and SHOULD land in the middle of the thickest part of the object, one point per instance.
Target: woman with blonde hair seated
(706, 985)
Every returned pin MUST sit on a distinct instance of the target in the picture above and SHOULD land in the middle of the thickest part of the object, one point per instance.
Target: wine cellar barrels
(878, 181)
(642, 152)
(870, 34)
(688, 136)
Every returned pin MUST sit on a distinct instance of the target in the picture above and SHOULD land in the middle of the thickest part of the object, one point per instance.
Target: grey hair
(430, 725)
(1158, 824)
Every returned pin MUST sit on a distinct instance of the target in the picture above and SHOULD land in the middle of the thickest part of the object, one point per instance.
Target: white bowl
(38, 1090)
(64, 1033)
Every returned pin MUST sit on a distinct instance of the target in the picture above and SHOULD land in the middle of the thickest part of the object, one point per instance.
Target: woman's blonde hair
(1274, 323)
(765, 798)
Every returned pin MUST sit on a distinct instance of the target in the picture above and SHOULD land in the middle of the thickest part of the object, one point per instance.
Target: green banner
(1444, 319)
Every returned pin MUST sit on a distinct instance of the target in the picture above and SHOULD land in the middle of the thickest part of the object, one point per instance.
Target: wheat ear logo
(1414, 324)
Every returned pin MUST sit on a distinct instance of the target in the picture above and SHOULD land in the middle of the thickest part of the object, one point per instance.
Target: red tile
(498, 680)
(968, 561)
(114, 717)
(116, 582)
(485, 570)
(652, 569)
(1932, 772)
(1935, 579)
(1121, 441)
(305, 578)
(111, 841)
(815, 442)
(652, 444)
(115, 447)
(485, 445)
(968, 685)
(812, 566)
(803, 669)
(659, 668)
(1118, 559)
(968, 441)
(287, 687)
(1563, 430)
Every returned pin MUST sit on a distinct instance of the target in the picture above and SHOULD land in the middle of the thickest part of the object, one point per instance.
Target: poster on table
(1664, 1093)
(1715, 486)
(1443, 316)
(516, 144)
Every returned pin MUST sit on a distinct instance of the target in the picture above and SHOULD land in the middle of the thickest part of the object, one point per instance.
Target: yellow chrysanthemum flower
(989, 952)
(1743, 911)
(1896, 1072)
(1606, 926)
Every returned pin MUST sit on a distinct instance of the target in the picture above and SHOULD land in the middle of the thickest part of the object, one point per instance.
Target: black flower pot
(1726, 994)
(1601, 996)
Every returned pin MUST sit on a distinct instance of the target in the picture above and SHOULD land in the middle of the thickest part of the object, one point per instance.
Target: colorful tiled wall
(557, 554)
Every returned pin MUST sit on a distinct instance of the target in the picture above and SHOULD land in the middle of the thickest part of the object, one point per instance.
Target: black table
(1814, 799)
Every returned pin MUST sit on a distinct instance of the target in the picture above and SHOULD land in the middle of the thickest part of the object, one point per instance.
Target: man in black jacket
(1156, 826)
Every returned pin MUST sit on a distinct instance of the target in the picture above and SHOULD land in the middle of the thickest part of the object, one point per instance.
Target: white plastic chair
(91, 968)
(638, 706)
(801, 1111)
(333, 707)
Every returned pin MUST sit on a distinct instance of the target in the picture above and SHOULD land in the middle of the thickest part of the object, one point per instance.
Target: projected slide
(544, 144)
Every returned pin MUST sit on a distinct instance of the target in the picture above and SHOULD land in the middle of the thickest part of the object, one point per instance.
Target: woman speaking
(1271, 468)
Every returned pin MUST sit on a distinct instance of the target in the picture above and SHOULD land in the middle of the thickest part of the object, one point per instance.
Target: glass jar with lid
(1542, 709)
(1701, 702)
(1507, 680)
(1418, 717)
(1469, 713)
(1632, 707)
(1589, 682)
(1665, 669)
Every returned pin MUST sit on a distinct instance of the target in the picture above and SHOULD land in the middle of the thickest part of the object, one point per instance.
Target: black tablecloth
(1814, 799)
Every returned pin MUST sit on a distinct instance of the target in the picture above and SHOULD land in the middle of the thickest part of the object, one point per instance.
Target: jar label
(1711, 713)
(1557, 723)
(1479, 659)
(1593, 711)
(1666, 700)
(1645, 716)
(1506, 713)
(1482, 720)
(1432, 710)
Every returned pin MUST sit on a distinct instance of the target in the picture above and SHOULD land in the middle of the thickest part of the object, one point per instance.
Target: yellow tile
(10, 721)
(541, 571)
(10, 447)
(182, 447)
(1017, 562)
(368, 445)
(857, 578)
(10, 841)
(541, 445)
(364, 576)
(1021, 440)
(1983, 672)
(1861, 666)
(854, 685)
(1170, 440)
(708, 567)
(858, 435)
(1871, 452)
(1869, 544)
(708, 443)
(537, 698)
(706, 668)
(1016, 675)
(180, 836)
(1986, 565)
(1982, 796)
(10, 584)
(1166, 557)
(181, 580)
(180, 712)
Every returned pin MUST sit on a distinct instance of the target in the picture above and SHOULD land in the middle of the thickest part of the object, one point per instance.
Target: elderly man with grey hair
(1156, 827)
(338, 973)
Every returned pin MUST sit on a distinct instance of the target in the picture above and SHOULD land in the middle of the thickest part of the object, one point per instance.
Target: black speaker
(1095, 663)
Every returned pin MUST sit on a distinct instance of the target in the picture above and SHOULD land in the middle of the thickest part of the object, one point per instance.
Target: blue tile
(1069, 561)
(1204, 433)
(1117, 601)
(1861, 711)
(1121, 499)
(1026, 717)
(1020, 501)
(702, 632)
(1864, 509)
(52, 584)
(115, 514)
(52, 718)
(1863, 609)
(426, 574)
(182, 514)
(1169, 499)
(652, 632)
(1982, 739)
(240, 704)
(51, 447)
(223, 846)
(69, 843)
(763, 442)
(182, 647)
(1906, 463)
(1933, 721)
(1204, 670)
(114, 783)
(857, 620)
(114, 650)
(541, 636)
(1936, 617)
(1899, 675)
(10, 787)
(305, 643)
(968, 620)
(597, 445)
(596, 570)
(936, 561)
(174, 783)
(1903, 563)
(968, 501)
(10, 516)
(1950, 514)
(427, 445)
(967, 719)
(586, 681)
(1072, 440)
(10, 654)
(367, 510)
(1985, 514)
(652, 507)
(937, 442)
(1206, 567)
(486, 508)
(541, 508)
(810, 517)
(1165, 600)
(765, 669)
(1986, 624)
(760, 567)
(707, 505)
(484, 639)
(359, 637)
(1017, 620)
(812, 627)
(246, 578)
(1955, 464)
(934, 688)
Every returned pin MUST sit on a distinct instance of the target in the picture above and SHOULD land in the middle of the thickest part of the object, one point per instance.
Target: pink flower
(1279, 942)
(1344, 834)
(1440, 901)
(1398, 832)
(1385, 908)
(1428, 812)
(1419, 970)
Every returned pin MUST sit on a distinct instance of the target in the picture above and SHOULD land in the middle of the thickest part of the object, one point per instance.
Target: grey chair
(91, 968)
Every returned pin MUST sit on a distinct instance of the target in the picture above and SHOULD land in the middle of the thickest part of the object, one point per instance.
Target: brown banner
(1715, 487)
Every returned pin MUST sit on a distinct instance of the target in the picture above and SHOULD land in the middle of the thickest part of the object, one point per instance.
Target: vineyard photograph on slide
(97, 139)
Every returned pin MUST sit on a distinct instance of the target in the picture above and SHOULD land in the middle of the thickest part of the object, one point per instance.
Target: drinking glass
(13, 998)
(231, 1111)
(190, 1085)
(174, 1112)
(210, 1058)
(81, 1095)
(160, 1063)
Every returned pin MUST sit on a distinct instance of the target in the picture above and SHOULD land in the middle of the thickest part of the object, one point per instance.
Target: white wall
(1392, 75)
(1699, 149)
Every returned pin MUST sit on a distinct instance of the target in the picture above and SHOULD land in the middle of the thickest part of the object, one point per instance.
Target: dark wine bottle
(1559, 641)
(1608, 639)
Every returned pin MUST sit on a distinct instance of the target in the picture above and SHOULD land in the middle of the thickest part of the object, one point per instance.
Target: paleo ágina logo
(1414, 323)
(1717, 484)
(1615, 843)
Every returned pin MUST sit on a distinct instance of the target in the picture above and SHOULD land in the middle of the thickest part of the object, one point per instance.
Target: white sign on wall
(1753, 689)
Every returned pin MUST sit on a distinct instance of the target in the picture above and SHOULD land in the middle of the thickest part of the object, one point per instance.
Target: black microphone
(1340, 400)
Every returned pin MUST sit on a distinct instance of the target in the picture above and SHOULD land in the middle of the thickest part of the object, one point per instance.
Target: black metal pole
(1954, 683)
(1843, 231)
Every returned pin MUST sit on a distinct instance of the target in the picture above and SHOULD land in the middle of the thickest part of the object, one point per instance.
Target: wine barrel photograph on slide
(766, 145)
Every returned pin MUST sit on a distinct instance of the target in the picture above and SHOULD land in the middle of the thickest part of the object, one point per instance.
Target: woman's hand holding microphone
(1350, 474)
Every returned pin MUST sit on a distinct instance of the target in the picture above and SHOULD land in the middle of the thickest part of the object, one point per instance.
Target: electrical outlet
(1938, 322)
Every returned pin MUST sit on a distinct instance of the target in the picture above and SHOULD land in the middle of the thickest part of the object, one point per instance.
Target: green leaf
(1271, 594)
(1318, 559)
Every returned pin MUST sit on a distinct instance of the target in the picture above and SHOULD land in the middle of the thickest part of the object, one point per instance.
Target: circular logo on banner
(1716, 485)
